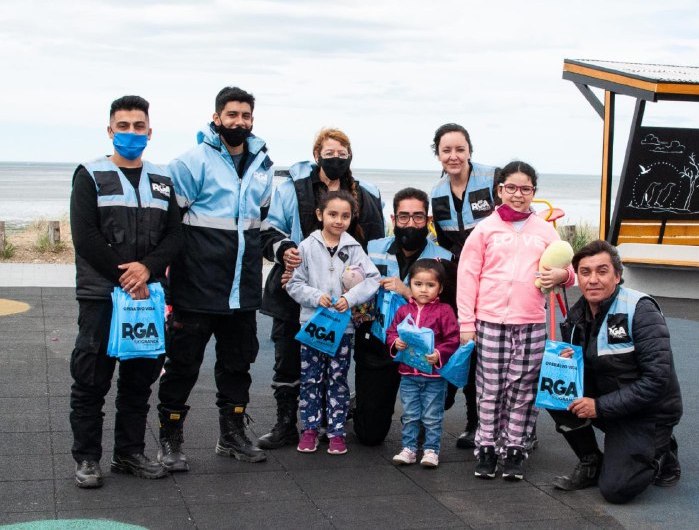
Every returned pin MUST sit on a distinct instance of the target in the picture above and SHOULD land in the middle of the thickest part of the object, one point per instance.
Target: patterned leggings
(325, 376)
(509, 358)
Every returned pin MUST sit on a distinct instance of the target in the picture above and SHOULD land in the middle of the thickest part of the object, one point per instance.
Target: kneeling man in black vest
(631, 387)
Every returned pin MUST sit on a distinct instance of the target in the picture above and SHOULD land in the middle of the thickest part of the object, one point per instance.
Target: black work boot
(284, 431)
(171, 436)
(585, 474)
(467, 439)
(233, 441)
(669, 470)
(138, 465)
(88, 474)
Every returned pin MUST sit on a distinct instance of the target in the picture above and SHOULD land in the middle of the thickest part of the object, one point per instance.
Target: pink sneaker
(337, 445)
(308, 442)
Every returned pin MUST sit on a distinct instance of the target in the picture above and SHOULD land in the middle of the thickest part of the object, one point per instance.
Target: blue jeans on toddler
(423, 401)
(325, 375)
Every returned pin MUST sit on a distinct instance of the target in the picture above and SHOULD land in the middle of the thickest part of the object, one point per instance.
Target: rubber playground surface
(361, 489)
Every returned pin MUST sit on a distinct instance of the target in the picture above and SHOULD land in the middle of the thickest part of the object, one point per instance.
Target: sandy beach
(26, 243)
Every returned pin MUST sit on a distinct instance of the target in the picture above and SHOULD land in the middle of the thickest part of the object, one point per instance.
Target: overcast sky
(387, 72)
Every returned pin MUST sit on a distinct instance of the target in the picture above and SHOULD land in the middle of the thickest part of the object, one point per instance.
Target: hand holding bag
(324, 330)
(138, 326)
(560, 378)
(387, 304)
(420, 343)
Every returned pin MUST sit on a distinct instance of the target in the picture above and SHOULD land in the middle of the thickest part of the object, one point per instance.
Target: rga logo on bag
(138, 331)
(163, 189)
(319, 332)
(558, 387)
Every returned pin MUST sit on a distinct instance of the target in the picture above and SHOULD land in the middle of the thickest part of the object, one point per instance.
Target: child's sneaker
(514, 464)
(430, 458)
(337, 445)
(405, 457)
(487, 462)
(308, 442)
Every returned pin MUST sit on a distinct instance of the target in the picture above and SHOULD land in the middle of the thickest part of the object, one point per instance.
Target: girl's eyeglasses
(512, 189)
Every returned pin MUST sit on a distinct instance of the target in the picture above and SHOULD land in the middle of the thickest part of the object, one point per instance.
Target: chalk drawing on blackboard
(660, 186)
(656, 145)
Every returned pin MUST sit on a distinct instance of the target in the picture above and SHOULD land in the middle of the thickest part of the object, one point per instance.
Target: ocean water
(30, 191)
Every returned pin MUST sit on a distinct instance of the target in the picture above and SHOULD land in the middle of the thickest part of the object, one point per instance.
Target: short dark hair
(430, 265)
(447, 128)
(411, 193)
(516, 166)
(597, 247)
(129, 103)
(233, 93)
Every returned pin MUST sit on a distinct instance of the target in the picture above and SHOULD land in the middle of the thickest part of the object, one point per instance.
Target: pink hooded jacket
(496, 274)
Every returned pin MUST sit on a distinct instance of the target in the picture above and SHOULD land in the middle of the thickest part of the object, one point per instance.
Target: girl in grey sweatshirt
(325, 254)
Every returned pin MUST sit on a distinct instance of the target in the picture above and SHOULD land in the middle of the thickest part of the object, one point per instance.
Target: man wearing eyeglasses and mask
(292, 217)
(223, 188)
(376, 375)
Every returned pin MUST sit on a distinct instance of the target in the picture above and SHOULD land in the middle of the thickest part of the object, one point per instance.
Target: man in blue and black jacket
(631, 389)
(223, 187)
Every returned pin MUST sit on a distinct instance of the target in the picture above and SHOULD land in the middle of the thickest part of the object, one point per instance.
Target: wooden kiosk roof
(651, 82)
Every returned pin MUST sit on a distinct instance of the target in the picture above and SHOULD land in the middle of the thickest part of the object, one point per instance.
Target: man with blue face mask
(126, 229)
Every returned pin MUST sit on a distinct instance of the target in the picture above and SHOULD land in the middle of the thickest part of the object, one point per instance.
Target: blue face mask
(130, 145)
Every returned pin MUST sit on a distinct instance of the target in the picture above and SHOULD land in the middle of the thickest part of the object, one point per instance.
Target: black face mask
(410, 238)
(334, 168)
(233, 137)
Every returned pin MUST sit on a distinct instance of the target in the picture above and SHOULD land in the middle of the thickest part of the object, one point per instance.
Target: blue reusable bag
(420, 343)
(560, 379)
(387, 304)
(324, 330)
(457, 367)
(138, 326)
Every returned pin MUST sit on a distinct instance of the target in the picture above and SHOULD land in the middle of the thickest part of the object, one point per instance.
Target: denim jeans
(423, 401)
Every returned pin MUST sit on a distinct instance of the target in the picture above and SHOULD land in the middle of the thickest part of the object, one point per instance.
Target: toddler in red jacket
(422, 394)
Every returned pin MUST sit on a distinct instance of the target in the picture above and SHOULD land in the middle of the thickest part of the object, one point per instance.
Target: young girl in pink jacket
(504, 311)
(422, 394)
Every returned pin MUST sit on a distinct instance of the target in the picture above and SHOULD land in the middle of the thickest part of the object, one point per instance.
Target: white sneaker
(429, 458)
(406, 456)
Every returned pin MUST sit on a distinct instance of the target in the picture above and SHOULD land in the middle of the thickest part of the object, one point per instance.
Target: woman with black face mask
(292, 217)
(461, 199)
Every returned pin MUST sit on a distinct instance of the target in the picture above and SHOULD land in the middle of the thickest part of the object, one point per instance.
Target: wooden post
(2, 235)
(567, 232)
(54, 228)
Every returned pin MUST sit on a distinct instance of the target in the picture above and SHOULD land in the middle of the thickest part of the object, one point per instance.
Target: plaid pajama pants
(509, 358)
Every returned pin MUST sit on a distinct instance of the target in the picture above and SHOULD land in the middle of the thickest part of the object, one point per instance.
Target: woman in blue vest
(461, 199)
(291, 218)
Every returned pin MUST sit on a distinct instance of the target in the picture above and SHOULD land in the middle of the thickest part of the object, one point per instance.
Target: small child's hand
(342, 305)
(400, 345)
(325, 301)
(433, 358)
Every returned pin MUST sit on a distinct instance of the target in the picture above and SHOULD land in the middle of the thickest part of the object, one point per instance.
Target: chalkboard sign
(662, 177)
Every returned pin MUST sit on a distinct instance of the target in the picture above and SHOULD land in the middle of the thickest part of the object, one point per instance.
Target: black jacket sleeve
(88, 241)
(654, 360)
(158, 260)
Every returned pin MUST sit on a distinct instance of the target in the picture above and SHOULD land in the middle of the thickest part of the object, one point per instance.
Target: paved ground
(361, 489)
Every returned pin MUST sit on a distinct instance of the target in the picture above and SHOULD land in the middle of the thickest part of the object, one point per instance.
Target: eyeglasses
(512, 189)
(344, 155)
(418, 218)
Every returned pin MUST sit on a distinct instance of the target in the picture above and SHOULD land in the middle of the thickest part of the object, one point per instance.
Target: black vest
(133, 224)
